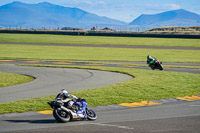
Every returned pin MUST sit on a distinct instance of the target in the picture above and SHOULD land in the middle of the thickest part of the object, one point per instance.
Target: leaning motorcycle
(72, 110)
(157, 65)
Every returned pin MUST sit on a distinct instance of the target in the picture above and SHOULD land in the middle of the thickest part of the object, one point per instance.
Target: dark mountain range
(48, 15)
(171, 18)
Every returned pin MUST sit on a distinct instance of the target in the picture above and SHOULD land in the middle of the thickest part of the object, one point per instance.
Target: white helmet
(64, 92)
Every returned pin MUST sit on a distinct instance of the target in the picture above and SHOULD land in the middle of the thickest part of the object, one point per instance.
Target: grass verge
(9, 79)
(31, 52)
(147, 85)
(142, 41)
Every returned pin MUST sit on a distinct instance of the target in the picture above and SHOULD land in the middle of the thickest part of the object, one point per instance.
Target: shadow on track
(47, 121)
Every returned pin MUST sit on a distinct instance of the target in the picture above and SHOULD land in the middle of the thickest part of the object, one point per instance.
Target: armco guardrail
(104, 33)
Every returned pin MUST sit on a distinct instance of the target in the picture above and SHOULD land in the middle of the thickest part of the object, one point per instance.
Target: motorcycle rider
(150, 60)
(65, 97)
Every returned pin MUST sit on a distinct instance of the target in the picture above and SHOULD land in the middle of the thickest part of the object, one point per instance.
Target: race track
(49, 81)
(174, 117)
(181, 117)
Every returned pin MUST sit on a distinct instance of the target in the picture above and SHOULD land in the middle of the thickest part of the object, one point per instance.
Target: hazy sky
(124, 10)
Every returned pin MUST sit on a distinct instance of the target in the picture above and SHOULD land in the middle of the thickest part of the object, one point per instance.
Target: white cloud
(173, 6)
(101, 3)
(88, 3)
(157, 7)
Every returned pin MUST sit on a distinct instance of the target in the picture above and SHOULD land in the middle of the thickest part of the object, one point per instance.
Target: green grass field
(89, 53)
(9, 79)
(44, 38)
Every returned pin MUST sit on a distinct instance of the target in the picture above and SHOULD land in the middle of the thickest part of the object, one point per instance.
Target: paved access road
(103, 46)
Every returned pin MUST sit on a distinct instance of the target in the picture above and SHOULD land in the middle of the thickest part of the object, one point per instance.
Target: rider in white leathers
(65, 97)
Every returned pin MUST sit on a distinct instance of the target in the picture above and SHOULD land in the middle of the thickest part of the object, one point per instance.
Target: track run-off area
(179, 114)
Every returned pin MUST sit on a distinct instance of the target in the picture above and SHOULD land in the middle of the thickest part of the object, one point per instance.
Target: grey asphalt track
(110, 64)
(182, 117)
(49, 81)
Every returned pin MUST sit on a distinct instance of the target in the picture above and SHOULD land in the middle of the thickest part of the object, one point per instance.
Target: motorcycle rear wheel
(61, 115)
(153, 67)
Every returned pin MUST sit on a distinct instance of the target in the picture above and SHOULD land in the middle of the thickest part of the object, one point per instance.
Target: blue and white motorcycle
(72, 110)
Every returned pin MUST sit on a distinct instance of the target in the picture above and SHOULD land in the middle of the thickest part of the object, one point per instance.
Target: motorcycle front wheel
(160, 67)
(61, 115)
(91, 115)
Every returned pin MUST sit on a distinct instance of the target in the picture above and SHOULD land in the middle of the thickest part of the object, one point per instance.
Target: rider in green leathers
(150, 60)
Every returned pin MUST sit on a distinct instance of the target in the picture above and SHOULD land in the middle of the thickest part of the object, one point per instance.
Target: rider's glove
(79, 99)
